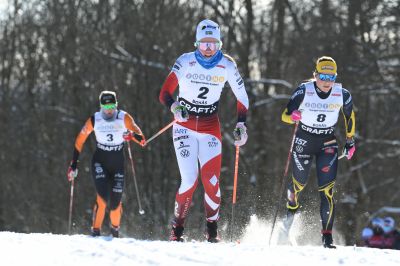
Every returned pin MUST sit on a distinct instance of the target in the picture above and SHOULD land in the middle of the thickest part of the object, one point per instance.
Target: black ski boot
(95, 232)
(176, 233)
(115, 231)
(327, 240)
(212, 232)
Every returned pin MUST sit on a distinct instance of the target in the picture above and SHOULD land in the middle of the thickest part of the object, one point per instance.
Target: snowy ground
(56, 250)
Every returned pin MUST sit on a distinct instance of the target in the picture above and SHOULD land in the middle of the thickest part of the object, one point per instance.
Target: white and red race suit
(199, 139)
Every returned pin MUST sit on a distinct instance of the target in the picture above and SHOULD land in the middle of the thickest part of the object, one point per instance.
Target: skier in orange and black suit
(112, 127)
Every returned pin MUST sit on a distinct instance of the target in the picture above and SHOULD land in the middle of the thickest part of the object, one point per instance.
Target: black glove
(73, 165)
(138, 137)
(349, 148)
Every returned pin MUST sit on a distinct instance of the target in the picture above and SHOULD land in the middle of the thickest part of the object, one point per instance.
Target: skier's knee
(327, 190)
(293, 195)
(114, 203)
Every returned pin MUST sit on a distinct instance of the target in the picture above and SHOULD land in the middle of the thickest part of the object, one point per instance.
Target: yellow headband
(326, 65)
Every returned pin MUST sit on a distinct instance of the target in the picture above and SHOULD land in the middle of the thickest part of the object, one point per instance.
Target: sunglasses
(109, 106)
(326, 77)
(205, 45)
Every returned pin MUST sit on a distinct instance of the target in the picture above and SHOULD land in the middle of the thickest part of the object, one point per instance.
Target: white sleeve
(178, 66)
(237, 84)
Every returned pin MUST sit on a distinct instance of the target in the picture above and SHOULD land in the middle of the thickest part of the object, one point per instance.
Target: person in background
(201, 76)
(111, 127)
(315, 105)
(384, 235)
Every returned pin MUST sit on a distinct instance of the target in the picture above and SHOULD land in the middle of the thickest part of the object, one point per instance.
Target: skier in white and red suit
(201, 76)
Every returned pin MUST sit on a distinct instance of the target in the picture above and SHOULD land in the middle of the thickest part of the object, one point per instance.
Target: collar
(208, 63)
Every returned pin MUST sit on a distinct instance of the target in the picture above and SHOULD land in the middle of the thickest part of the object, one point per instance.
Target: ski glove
(128, 136)
(140, 138)
(180, 112)
(296, 116)
(349, 148)
(72, 172)
(240, 134)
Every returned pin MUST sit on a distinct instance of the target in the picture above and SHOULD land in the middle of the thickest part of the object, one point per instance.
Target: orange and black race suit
(107, 162)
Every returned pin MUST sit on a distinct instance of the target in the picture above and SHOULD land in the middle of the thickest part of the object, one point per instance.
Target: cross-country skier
(201, 76)
(112, 127)
(315, 105)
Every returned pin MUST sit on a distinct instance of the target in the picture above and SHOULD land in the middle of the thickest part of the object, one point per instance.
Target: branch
(127, 57)
(270, 81)
(271, 100)
(382, 141)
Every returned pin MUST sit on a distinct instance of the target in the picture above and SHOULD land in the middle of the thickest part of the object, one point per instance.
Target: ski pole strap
(160, 132)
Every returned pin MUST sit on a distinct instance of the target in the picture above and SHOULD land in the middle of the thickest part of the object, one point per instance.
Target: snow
(252, 249)
(48, 249)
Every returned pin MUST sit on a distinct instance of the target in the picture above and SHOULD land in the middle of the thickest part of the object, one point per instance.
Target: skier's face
(324, 81)
(108, 110)
(208, 46)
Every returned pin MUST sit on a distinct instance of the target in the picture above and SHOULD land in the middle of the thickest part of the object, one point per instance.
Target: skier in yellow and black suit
(112, 127)
(315, 105)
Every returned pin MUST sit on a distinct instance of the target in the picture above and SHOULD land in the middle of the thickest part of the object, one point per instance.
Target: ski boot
(283, 236)
(212, 232)
(176, 233)
(327, 240)
(115, 231)
(94, 232)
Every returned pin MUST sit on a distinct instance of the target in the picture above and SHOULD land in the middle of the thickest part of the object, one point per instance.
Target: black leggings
(325, 150)
(108, 175)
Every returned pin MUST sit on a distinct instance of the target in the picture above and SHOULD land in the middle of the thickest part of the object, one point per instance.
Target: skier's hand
(240, 134)
(296, 116)
(349, 148)
(140, 138)
(72, 172)
(180, 112)
(127, 136)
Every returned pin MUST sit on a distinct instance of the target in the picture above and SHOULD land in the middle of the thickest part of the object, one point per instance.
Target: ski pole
(71, 199)
(141, 211)
(334, 141)
(160, 132)
(234, 188)
(282, 182)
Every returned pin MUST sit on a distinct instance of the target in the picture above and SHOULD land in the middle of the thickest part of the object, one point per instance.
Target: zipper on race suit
(197, 121)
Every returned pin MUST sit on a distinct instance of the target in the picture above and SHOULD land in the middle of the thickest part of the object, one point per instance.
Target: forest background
(56, 57)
